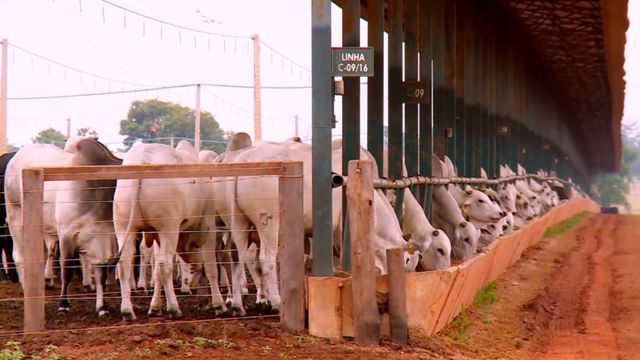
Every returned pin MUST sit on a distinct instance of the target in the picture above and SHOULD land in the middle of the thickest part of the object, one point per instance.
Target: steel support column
(375, 84)
(350, 114)
(322, 108)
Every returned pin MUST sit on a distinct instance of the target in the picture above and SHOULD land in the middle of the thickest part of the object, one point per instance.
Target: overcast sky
(104, 41)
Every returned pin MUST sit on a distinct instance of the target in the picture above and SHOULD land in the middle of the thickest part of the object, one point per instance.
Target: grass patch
(461, 326)
(566, 225)
(486, 295)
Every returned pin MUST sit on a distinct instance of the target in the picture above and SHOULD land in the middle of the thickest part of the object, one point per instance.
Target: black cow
(6, 243)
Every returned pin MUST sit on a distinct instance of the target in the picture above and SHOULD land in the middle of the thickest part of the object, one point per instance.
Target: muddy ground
(572, 296)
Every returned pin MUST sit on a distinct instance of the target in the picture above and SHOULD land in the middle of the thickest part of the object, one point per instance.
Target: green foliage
(12, 148)
(87, 131)
(612, 188)
(566, 225)
(486, 295)
(11, 351)
(158, 121)
(461, 326)
(50, 136)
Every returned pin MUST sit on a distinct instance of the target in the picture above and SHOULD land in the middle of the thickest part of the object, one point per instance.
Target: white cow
(253, 200)
(77, 214)
(181, 213)
(448, 216)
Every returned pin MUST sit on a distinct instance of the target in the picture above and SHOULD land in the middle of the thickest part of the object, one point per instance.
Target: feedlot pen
(34, 310)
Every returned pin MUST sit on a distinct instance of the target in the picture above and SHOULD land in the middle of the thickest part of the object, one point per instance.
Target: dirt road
(574, 296)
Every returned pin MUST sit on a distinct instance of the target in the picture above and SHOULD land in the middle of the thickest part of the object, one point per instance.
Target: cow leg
(87, 280)
(66, 274)
(3, 272)
(145, 258)
(164, 255)
(268, 253)
(155, 308)
(100, 275)
(255, 269)
(211, 271)
(237, 268)
(51, 243)
(7, 246)
(124, 275)
(186, 276)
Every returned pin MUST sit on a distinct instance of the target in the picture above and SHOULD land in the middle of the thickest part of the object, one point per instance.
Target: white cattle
(254, 200)
(448, 216)
(77, 214)
(179, 210)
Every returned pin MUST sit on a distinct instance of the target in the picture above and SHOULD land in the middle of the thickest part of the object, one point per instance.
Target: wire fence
(171, 211)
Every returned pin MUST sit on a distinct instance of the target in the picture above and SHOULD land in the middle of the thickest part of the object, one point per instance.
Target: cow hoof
(88, 288)
(185, 292)
(154, 312)
(48, 285)
(244, 291)
(63, 309)
(218, 310)
(102, 312)
(174, 314)
(237, 310)
(128, 316)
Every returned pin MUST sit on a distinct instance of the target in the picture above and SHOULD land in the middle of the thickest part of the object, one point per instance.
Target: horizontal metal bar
(424, 180)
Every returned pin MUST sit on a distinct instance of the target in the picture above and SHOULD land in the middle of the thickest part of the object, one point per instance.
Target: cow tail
(135, 193)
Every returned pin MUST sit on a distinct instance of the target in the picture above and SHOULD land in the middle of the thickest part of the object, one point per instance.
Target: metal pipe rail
(382, 183)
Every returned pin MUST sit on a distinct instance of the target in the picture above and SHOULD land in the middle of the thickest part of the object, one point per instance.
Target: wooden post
(291, 241)
(3, 96)
(360, 197)
(296, 131)
(397, 296)
(32, 218)
(257, 116)
(196, 138)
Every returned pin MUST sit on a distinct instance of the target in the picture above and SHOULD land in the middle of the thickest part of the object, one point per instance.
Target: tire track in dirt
(575, 309)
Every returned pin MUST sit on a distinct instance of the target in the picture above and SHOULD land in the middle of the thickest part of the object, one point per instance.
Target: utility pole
(257, 116)
(3, 96)
(68, 128)
(196, 139)
(296, 126)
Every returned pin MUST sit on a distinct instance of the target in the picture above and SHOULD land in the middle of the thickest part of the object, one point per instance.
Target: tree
(87, 131)
(50, 136)
(158, 121)
(612, 188)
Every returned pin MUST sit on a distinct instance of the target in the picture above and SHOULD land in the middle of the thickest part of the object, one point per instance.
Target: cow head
(438, 255)
(507, 194)
(465, 241)
(479, 207)
(523, 208)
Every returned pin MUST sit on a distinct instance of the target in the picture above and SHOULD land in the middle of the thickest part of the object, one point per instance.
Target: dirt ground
(572, 296)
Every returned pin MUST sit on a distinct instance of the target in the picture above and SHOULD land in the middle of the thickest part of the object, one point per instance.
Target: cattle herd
(220, 227)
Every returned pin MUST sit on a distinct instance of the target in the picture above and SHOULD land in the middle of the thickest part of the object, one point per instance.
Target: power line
(45, 97)
(42, 57)
(174, 25)
(284, 56)
(104, 54)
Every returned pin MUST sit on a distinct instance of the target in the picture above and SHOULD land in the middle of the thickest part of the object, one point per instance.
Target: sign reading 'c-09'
(352, 61)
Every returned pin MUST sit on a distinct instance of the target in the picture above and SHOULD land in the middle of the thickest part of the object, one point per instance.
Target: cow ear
(468, 191)
(465, 206)
(518, 196)
(485, 231)
(406, 237)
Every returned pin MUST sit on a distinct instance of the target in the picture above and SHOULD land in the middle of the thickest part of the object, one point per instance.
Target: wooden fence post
(360, 202)
(291, 242)
(33, 251)
(397, 296)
